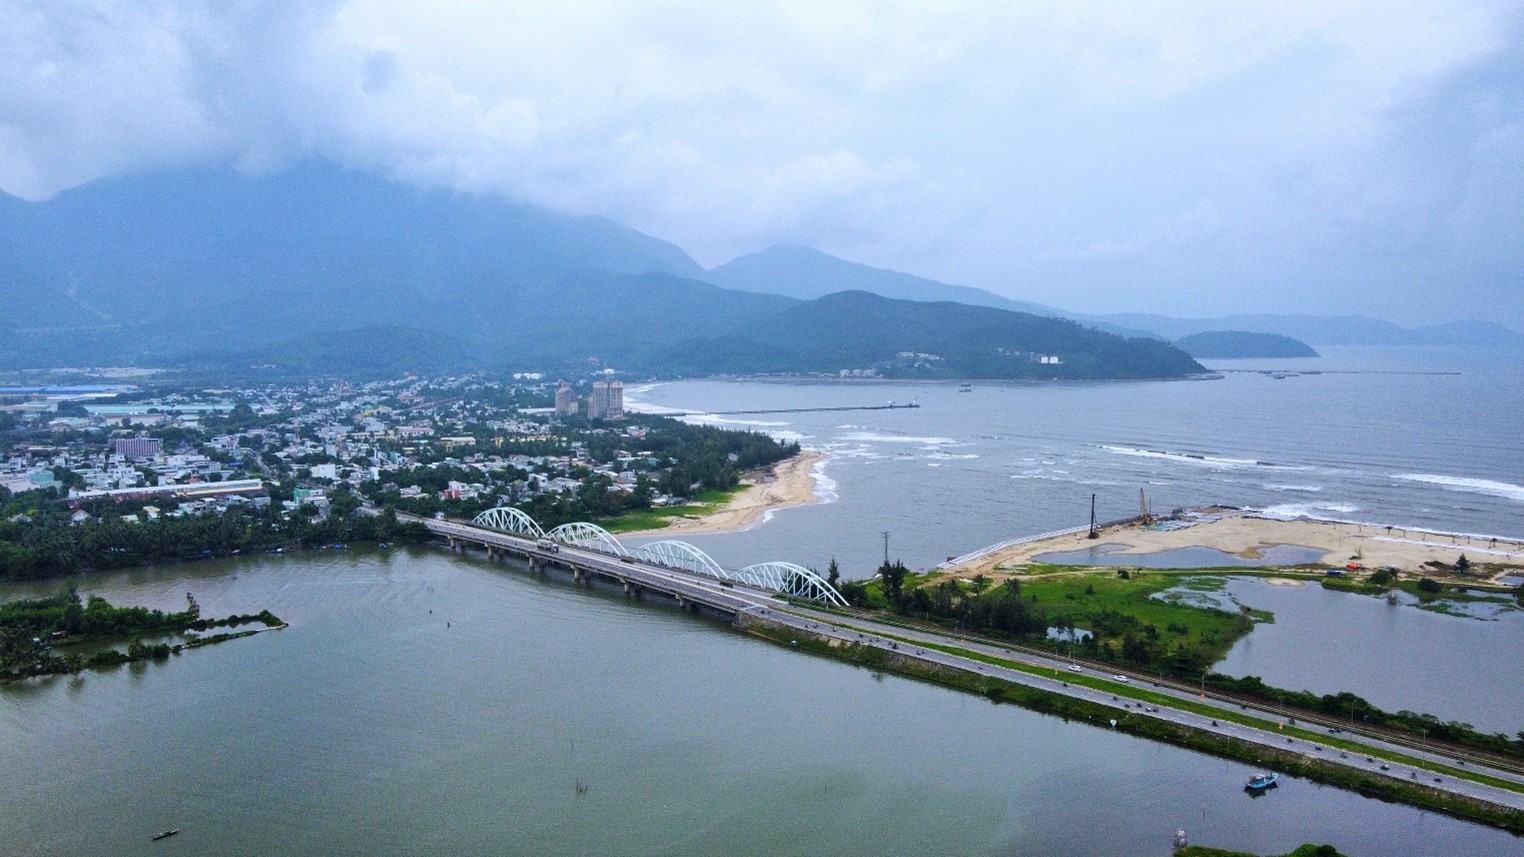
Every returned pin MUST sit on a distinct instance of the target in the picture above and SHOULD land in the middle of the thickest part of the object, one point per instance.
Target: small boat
(1180, 840)
(165, 834)
(1261, 782)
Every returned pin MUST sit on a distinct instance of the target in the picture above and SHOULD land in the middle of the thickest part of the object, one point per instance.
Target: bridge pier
(631, 588)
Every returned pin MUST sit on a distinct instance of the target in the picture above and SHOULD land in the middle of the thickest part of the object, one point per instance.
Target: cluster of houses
(380, 437)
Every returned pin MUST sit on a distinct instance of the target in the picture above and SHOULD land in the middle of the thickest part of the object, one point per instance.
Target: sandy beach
(785, 484)
(1246, 535)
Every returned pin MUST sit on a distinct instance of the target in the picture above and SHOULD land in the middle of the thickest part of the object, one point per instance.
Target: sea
(423, 702)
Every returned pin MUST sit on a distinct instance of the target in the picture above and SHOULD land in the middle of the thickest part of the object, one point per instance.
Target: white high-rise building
(607, 402)
(566, 400)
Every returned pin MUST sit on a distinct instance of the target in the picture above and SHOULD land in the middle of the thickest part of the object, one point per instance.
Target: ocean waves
(1198, 459)
(1506, 490)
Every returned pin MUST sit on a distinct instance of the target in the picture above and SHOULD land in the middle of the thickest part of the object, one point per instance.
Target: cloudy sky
(1193, 158)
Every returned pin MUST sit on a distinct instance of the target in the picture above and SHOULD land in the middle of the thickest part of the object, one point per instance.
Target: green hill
(910, 339)
(1237, 344)
(319, 269)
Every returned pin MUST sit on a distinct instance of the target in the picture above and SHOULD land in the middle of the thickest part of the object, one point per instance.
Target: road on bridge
(736, 599)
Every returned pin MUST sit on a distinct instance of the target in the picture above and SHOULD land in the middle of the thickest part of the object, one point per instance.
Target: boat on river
(166, 834)
(1261, 782)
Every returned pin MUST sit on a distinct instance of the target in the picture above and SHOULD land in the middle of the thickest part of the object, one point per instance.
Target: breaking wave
(1195, 458)
(1506, 490)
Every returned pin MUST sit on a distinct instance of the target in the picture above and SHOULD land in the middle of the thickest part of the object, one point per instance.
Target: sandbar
(1247, 534)
(788, 483)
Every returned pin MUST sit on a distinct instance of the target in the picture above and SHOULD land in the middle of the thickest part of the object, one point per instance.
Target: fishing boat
(165, 834)
(1261, 782)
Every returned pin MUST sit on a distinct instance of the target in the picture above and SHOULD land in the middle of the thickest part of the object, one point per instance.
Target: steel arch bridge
(589, 536)
(790, 579)
(782, 577)
(510, 520)
(681, 555)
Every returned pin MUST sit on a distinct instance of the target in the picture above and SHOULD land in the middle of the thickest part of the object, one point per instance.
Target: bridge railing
(782, 577)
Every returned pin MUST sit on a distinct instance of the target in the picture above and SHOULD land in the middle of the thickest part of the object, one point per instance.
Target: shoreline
(1246, 534)
(784, 485)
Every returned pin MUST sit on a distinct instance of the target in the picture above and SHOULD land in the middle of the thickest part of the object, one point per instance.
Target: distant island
(1233, 344)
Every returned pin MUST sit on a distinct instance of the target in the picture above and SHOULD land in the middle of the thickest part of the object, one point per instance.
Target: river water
(427, 703)
(423, 703)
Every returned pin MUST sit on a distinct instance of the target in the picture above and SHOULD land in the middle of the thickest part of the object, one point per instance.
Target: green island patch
(44, 636)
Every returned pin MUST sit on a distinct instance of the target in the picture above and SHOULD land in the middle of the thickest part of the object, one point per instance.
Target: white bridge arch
(790, 579)
(675, 554)
(782, 577)
(510, 520)
(590, 536)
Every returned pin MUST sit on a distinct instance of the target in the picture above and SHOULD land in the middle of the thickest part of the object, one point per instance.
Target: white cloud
(981, 142)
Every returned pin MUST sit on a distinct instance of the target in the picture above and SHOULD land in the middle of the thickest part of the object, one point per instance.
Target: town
(310, 451)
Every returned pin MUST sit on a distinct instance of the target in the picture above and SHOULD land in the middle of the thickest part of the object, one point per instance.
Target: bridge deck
(750, 605)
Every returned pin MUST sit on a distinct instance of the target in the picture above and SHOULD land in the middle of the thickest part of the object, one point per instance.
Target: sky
(1192, 158)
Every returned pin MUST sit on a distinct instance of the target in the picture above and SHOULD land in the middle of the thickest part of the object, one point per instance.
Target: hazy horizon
(1191, 160)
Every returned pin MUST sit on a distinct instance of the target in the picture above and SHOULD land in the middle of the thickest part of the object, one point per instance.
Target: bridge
(671, 567)
(751, 597)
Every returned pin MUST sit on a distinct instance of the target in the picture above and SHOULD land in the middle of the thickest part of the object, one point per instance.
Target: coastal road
(892, 638)
(1052, 675)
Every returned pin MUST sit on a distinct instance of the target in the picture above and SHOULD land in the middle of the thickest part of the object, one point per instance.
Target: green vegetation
(1217, 344)
(1122, 620)
(43, 542)
(699, 462)
(656, 517)
(1129, 626)
(32, 631)
(912, 339)
(1356, 709)
(1308, 850)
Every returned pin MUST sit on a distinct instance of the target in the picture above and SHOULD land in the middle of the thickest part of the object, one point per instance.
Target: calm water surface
(371, 726)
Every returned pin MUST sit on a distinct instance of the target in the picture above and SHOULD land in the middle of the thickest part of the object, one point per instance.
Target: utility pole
(886, 546)
(1093, 533)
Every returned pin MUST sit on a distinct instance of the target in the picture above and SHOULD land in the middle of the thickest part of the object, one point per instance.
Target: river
(424, 703)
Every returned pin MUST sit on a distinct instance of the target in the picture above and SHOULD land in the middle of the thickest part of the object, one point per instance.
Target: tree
(833, 573)
(68, 478)
(893, 576)
(1463, 564)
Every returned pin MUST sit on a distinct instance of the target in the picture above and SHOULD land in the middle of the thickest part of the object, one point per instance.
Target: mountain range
(317, 266)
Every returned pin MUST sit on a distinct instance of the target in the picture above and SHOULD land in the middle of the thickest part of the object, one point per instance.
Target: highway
(1052, 674)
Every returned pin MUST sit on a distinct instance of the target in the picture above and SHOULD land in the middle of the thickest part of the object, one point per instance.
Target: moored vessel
(1261, 782)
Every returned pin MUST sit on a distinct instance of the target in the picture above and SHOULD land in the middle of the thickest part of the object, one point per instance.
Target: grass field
(655, 518)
